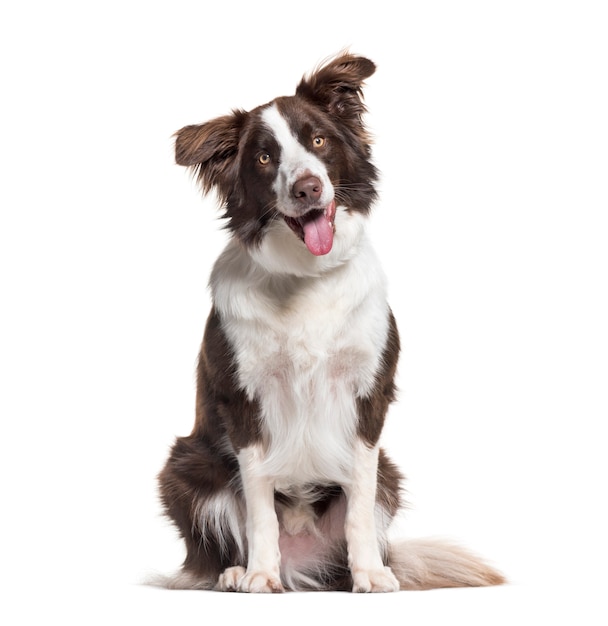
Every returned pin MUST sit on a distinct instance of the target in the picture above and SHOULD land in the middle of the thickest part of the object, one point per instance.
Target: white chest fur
(306, 347)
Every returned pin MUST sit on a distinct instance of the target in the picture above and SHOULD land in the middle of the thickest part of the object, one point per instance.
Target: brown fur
(202, 472)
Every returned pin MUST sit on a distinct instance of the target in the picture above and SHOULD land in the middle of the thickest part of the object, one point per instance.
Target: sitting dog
(282, 483)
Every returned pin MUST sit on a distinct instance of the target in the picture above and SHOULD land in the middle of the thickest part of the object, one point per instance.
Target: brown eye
(264, 159)
(318, 142)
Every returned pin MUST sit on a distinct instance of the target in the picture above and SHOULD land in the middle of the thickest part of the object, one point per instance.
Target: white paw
(375, 581)
(229, 579)
(260, 582)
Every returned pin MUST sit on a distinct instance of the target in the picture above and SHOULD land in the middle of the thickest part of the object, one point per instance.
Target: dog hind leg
(195, 488)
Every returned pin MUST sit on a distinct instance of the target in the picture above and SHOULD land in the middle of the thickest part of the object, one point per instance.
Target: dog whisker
(282, 482)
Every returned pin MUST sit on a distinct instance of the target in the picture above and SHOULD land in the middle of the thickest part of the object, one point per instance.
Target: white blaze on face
(296, 161)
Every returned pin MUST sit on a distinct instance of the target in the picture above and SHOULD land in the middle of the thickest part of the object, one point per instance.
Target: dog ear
(337, 85)
(210, 148)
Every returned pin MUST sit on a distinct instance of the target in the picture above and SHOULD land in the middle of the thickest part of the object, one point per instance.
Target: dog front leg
(365, 561)
(262, 527)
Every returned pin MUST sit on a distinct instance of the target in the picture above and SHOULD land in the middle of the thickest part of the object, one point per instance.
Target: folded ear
(337, 85)
(210, 148)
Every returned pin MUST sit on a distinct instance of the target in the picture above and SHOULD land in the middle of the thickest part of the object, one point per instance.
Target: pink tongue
(319, 235)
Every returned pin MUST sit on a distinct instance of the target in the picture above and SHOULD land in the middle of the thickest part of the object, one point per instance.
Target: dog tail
(417, 564)
(431, 564)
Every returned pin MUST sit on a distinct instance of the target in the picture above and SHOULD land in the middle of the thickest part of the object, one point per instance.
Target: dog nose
(307, 189)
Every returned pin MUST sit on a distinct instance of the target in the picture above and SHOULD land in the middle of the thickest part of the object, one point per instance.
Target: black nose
(308, 189)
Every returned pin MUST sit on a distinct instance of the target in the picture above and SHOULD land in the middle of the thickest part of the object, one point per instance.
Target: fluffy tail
(430, 564)
(417, 564)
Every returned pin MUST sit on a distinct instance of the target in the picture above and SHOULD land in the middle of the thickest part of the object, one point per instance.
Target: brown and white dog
(282, 483)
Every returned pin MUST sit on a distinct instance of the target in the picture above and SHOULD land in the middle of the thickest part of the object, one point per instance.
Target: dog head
(291, 173)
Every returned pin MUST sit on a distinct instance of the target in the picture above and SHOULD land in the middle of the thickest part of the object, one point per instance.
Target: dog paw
(375, 581)
(260, 582)
(229, 579)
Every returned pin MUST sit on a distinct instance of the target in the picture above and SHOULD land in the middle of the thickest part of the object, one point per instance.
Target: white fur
(262, 528)
(308, 334)
(220, 516)
(305, 348)
(280, 252)
(364, 558)
(295, 162)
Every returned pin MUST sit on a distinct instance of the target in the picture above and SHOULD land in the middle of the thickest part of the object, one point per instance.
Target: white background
(491, 133)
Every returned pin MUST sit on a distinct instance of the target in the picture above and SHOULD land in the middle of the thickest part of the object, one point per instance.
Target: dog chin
(281, 251)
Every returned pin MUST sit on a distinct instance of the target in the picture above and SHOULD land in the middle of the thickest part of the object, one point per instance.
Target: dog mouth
(315, 228)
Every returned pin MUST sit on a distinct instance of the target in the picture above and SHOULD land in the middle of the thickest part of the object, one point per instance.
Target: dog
(282, 484)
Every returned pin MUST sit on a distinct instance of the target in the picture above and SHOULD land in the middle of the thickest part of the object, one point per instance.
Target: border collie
(282, 483)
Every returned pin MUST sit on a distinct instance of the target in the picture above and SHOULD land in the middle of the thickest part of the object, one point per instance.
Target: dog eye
(264, 159)
(318, 142)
